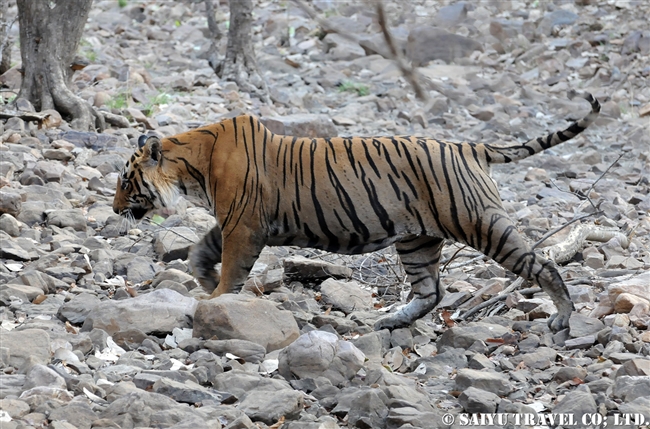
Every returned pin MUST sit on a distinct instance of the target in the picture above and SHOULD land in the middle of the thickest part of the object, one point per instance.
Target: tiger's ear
(151, 148)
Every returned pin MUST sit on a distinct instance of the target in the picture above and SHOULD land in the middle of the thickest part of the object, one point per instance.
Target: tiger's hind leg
(501, 241)
(204, 256)
(420, 256)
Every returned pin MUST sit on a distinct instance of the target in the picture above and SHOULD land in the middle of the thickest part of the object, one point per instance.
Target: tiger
(344, 195)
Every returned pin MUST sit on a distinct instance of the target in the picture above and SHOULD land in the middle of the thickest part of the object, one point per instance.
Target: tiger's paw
(390, 322)
(559, 321)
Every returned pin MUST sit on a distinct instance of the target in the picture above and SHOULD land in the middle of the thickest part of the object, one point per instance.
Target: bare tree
(239, 65)
(50, 32)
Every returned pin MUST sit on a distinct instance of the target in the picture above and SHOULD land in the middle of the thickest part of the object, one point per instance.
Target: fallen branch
(564, 251)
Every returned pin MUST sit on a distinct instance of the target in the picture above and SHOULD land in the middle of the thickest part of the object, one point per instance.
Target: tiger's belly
(344, 246)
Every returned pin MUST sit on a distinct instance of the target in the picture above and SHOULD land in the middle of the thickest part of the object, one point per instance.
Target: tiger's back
(346, 195)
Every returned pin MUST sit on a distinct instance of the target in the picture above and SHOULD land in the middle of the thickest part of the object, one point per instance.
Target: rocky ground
(100, 325)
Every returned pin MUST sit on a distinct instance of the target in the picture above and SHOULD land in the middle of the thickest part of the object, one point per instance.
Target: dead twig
(410, 73)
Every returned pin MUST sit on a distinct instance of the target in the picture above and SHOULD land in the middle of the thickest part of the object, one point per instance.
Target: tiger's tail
(503, 154)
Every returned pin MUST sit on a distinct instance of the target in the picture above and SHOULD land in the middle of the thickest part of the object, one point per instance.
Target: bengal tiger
(344, 195)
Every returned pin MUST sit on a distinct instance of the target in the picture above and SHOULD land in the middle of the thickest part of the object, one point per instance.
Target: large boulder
(244, 317)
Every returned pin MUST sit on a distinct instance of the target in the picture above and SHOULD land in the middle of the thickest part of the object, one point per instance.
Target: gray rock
(443, 364)
(173, 243)
(320, 354)
(146, 409)
(27, 346)
(49, 171)
(581, 325)
(640, 405)
(491, 381)
(480, 361)
(77, 309)
(580, 342)
(368, 409)
(10, 249)
(629, 387)
(555, 18)
(14, 407)
(159, 311)
(239, 383)
(476, 400)
(9, 224)
(63, 218)
(303, 125)
(345, 296)
(569, 373)
(187, 392)
(171, 274)
(409, 417)
(579, 402)
(542, 358)
(465, 336)
(11, 385)
(79, 414)
(247, 350)
(452, 14)
(10, 203)
(141, 268)
(41, 375)
(94, 141)
(430, 43)
(373, 344)
(232, 316)
(342, 49)
(633, 366)
(261, 406)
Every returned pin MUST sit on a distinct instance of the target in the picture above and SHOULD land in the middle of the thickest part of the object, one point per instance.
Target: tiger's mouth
(136, 212)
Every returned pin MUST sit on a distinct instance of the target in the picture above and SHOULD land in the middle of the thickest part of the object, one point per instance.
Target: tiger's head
(143, 184)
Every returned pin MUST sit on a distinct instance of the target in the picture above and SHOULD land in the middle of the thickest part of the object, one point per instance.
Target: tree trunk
(5, 40)
(239, 65)
(215, 37)
(49, 36)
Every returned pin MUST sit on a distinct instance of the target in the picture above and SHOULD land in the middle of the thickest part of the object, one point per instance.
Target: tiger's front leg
(241, 248)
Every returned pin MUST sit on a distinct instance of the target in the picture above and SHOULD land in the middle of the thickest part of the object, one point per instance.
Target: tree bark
(5, 40)
(50, 32)
(215, 38)
(240, 65)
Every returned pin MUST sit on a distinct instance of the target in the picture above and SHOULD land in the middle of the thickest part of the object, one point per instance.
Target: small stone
(174, 243)
(537, 175)
(465, 336)
(579, 402)
(475, 400)
(345, 296)
(581, 325)
(319, 353)
(269, 408)
(580, 342)
(301, 268)
(490, 381)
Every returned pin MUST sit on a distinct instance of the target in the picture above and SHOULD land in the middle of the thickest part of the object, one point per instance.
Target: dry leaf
(446, 316)
(40, 298)
(70, 329)
(279, 423)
